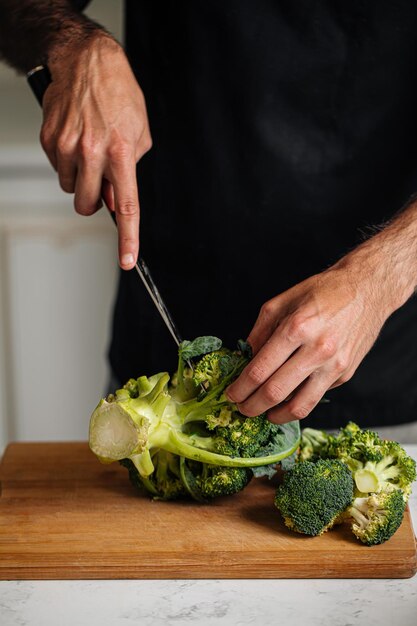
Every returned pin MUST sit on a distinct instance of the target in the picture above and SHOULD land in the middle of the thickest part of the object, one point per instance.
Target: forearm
(388, 261)
(35, 32)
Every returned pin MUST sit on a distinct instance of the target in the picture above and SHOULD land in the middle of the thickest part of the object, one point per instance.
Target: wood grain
(63, 515)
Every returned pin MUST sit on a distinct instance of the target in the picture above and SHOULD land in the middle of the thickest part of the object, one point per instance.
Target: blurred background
(58, 274)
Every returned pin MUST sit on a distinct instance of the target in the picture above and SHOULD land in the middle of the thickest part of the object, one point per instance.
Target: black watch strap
(39, 78)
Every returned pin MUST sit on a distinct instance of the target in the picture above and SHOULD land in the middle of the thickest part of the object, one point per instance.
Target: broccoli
(204, 481)
(375, 463)
(242, 436)
(211, 368)
(155, 422)
(355, 445)
(395, 469)
(165, 482)
(381, 477)
(314, 495)
(377, 517)
(313, 444)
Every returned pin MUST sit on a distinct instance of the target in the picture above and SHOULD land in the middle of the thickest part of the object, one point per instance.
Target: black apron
(282, 131)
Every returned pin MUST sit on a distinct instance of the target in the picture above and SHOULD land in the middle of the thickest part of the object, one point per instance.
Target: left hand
(309, 339)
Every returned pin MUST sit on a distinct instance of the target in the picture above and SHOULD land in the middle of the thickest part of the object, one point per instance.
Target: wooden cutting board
(63, 515)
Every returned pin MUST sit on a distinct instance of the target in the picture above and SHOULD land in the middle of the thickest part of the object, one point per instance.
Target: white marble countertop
(220, 602)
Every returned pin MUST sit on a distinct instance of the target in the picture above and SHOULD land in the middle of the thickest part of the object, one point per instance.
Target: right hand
(95, 129)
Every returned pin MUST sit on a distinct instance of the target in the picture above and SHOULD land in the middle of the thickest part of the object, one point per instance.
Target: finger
(87, 198)
(67, 173)
(269, 358)
(282, 383)
(107, 193)
(344, 378)
(304, 401)
(48, 143)
(265, 325)
(346, 373)
(123, 178)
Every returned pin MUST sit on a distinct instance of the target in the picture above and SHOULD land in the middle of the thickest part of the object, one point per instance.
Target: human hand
(309, 339)
(95, 129)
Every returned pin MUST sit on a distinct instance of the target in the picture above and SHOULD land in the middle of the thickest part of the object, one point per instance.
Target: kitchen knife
(39, 78)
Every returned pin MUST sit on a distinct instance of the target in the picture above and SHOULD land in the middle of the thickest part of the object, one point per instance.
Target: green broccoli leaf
(227, 363)
(281, 440)
(199, 346)
(245, 348)
(289, 461)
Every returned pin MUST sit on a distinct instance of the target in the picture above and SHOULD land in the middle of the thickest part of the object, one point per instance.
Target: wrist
(386, 264)
(73, 41)
(365, 269)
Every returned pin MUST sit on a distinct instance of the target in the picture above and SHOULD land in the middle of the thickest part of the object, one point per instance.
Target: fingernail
(127, 259)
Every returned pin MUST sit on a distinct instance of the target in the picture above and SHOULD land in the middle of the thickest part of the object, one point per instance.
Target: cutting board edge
(226, 566)
(179, 574)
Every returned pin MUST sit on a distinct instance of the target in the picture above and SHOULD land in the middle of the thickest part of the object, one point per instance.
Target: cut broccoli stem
(366, 481)
(143, 463)
(375, 475)
(113, 433)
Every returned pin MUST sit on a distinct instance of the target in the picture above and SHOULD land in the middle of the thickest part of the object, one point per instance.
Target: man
(283, 138)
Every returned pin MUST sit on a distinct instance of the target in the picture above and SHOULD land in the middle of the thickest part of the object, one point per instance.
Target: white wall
(57, 279)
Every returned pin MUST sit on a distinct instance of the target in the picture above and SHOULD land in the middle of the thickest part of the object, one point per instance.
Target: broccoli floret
(205, 482)
(355, 446)
(395, 469)
(243, 436)
(313, 444)
(148, 415)
(212, 367)
(222, 417)
(374, 462)
(223, 481)
(313, 496)
(377, 517)
(381, 476)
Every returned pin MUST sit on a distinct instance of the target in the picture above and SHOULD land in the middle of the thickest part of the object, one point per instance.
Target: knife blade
(145, 275)
(39, 78)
